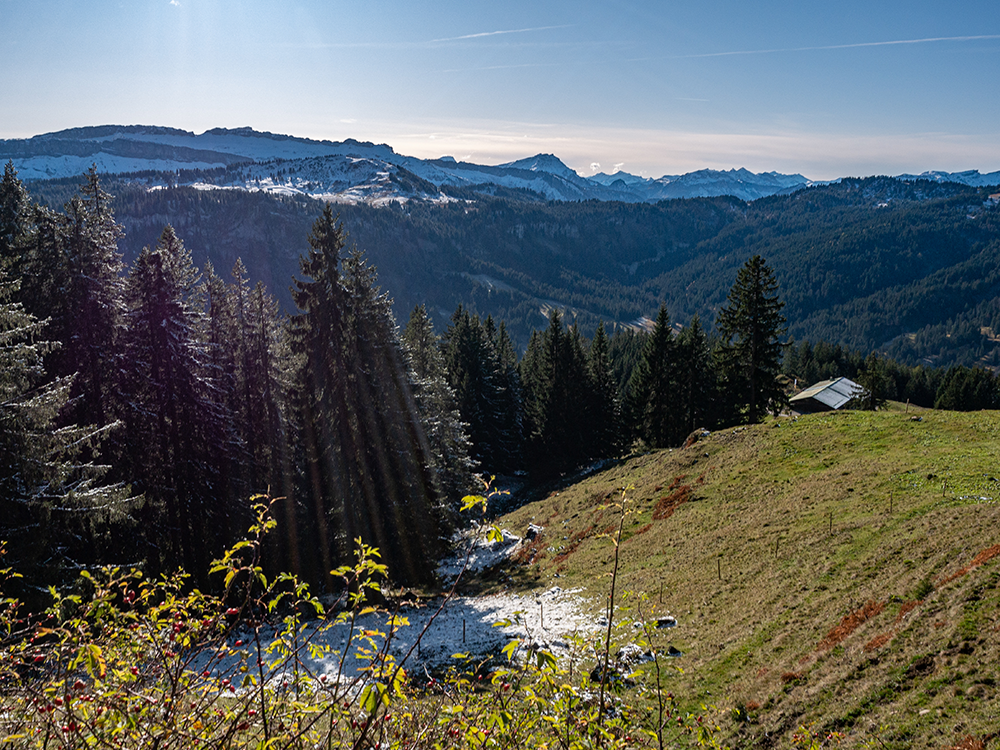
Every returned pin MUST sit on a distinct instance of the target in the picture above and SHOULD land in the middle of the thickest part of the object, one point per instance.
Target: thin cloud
(497, 33)
(499, 67)
(856, 45)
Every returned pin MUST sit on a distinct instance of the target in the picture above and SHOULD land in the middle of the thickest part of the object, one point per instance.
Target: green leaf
(374, 695)
(545, 659)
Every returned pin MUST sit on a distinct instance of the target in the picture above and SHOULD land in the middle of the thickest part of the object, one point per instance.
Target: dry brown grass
(906, 608)
(532, 552)
(879, 641)
(969, 743)
(679, 494)
(574, 542)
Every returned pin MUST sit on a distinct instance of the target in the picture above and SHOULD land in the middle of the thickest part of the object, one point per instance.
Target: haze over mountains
(353, 171)
(907, 265)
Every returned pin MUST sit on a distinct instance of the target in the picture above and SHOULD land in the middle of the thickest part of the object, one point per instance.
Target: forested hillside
(906, 268)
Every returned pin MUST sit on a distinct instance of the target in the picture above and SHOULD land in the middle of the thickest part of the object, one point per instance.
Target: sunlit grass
(797, 523)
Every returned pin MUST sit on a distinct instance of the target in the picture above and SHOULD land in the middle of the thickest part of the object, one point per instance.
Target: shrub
(130, 662)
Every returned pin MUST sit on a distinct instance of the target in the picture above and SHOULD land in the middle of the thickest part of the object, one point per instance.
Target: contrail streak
(496, 33)
(841, 46)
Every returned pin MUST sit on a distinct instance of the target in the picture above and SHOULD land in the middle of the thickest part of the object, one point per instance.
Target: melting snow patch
(480, 626)
(482, 554)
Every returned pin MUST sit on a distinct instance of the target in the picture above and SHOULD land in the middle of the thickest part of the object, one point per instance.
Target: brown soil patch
(678, 495)
(906, 609)
(981, 559)
(849, 624)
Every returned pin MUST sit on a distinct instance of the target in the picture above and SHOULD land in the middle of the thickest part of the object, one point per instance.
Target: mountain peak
(542, 163)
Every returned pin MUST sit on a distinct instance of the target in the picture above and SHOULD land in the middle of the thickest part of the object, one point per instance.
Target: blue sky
(825, 89)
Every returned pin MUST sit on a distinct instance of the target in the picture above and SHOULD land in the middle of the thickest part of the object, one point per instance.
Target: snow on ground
(477, 625)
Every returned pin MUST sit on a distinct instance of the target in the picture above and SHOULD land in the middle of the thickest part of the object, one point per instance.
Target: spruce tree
(224, 341)
(509, 405)
(55, 510)
(606, 432)
(751, 325)
(367, 465)
(474, 374)
(695, 379)
(173, 413)
(653, 391)
(968, 389)
(875, 383)
(449, 443)
(557, 406)
(90, 318)
(15, 219)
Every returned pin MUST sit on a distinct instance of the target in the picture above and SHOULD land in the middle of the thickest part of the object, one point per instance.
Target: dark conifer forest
(145, 399)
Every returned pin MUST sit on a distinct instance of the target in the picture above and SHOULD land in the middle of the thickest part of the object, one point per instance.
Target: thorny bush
(136, 663)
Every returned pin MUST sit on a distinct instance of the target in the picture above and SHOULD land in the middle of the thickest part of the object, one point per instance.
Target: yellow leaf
(96, 666)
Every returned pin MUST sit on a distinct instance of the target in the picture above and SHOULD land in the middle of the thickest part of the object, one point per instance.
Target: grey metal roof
(832, 394)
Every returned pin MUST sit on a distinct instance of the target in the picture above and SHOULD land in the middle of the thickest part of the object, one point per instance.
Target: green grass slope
(837, 571)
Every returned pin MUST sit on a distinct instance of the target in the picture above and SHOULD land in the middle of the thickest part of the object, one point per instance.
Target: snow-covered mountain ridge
(357, 171)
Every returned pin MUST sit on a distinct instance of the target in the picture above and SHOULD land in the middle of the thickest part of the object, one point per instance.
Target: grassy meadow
(836, 571)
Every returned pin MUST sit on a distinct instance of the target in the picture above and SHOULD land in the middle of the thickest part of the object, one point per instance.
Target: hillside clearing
(835, 570)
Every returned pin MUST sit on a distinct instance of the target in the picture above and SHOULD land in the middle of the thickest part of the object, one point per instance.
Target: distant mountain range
(907, 265)
(359, 172)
